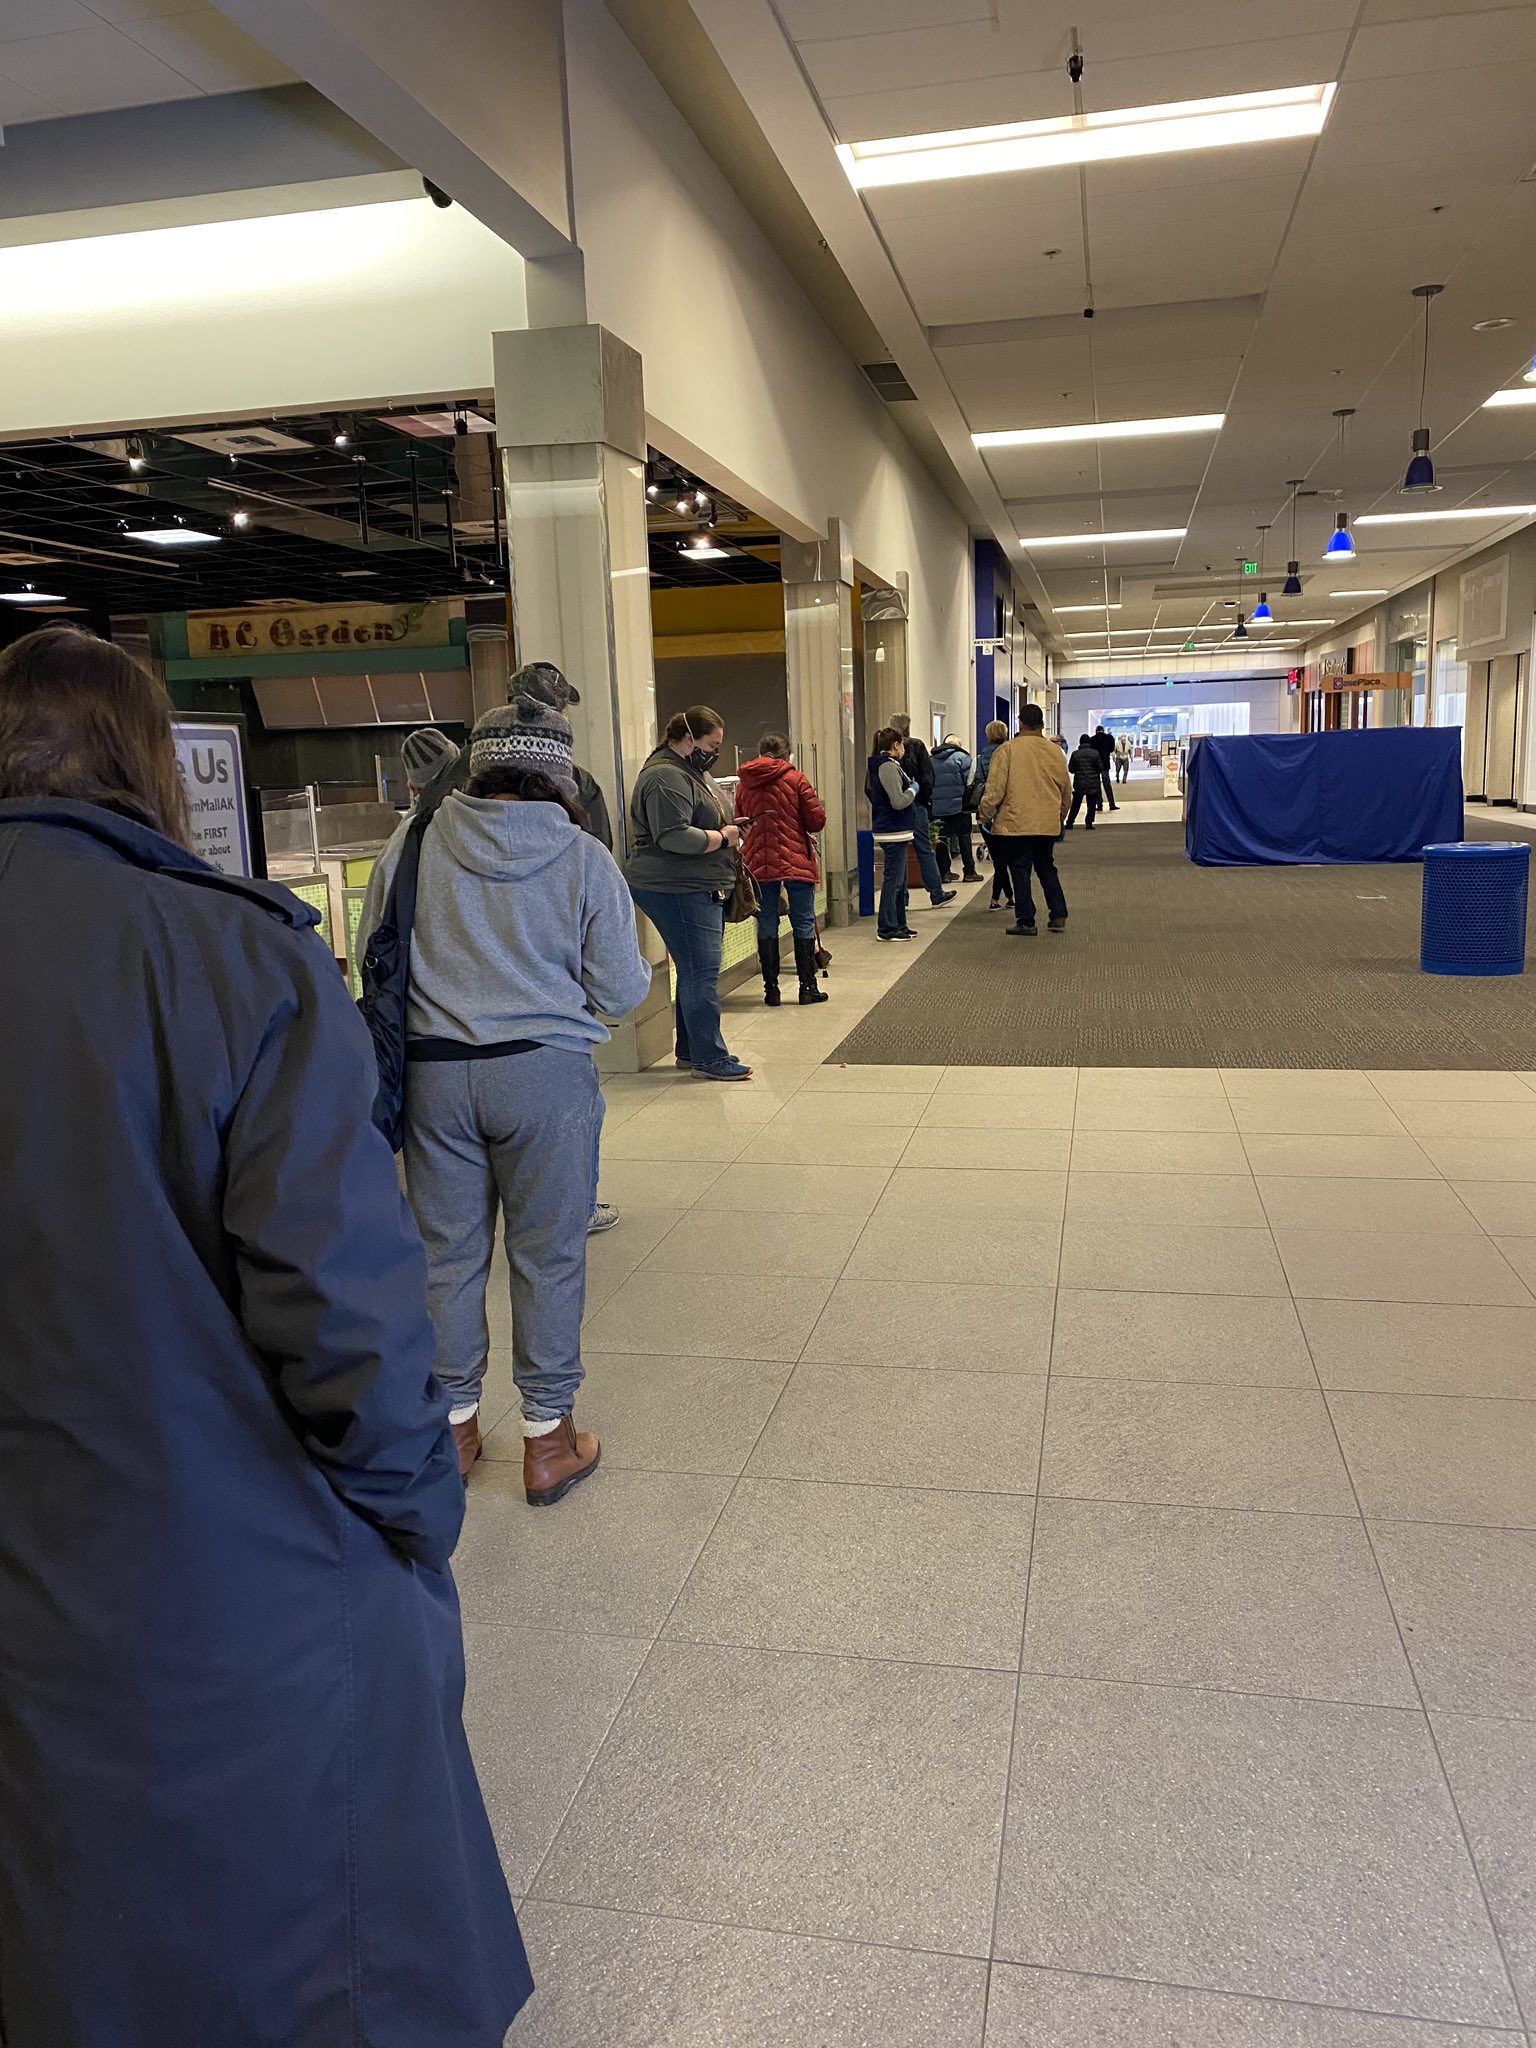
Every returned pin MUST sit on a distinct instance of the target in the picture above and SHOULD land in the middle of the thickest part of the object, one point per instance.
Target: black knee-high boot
(805, 967)
(768, 962)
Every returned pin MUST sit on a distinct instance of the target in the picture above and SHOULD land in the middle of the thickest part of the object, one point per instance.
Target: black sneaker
(1021, 931)
(944, 896)
(1057, 924)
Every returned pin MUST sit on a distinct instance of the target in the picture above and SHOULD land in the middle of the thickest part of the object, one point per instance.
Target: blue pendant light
(1292, 585)
(1262, 615)
(1420, 474)
(1530, 375)
(1340, 547)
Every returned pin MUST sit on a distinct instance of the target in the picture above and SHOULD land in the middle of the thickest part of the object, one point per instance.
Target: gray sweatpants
(518, 1133)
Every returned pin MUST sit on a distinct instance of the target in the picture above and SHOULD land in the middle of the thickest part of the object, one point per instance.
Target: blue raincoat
(237, 1809)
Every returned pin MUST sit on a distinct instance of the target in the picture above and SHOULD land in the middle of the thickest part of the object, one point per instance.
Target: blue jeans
(893, 887)
(927, 861)
(801, 897)
(516, 1135)
(692, 928)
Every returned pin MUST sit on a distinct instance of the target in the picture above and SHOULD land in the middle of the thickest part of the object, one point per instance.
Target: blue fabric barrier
(1322, 798)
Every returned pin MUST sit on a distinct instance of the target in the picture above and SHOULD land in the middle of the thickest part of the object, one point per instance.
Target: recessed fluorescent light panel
(1357, 593)
(172, 536)
(1105, 430)
(1061, 610)
(30, 596)
(1089, 138)
(1447, 512)
(1523, 394)
(1094, 540)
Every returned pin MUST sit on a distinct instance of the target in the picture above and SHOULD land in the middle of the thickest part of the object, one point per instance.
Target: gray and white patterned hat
(527, 734)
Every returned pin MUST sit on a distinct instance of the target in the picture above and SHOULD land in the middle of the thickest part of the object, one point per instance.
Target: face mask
(704, 758)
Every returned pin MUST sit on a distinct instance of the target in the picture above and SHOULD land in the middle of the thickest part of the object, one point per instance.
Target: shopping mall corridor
(1064, 1564)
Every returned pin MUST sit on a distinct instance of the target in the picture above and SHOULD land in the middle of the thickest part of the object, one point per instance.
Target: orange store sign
(308, 628)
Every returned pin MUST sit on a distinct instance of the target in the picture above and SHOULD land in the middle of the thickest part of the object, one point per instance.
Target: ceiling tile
(91, 69)
(214, 53)
(17, 106)
(1452, 43)
(817, 20)
(127, 11)
(20, 18)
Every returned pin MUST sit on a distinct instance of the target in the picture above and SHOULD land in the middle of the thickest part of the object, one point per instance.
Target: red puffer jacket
(786, 810)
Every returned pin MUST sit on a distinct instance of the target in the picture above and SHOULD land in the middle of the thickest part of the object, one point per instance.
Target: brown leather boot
(553, 1464)
(466, 1441)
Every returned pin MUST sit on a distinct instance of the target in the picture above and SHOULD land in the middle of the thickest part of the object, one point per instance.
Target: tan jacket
(1029, 791)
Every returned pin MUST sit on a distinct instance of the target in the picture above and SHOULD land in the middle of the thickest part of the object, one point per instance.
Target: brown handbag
(743, 903)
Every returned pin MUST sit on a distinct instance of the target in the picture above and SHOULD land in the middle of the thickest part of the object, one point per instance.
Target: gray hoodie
(524, 928)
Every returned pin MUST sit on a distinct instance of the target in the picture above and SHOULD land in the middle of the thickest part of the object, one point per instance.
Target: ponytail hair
(693, 723)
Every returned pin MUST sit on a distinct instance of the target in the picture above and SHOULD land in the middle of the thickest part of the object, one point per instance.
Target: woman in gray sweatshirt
(681, 869)
(524, 940)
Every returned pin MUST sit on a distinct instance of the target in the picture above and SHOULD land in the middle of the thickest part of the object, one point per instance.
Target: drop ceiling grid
(70, 57)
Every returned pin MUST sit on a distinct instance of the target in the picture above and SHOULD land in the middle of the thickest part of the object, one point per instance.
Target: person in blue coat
(236, 1802)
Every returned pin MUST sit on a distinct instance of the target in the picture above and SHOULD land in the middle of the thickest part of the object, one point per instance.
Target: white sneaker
(604, 1216)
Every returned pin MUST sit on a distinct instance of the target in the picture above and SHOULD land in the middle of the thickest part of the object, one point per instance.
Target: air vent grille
(889, 382)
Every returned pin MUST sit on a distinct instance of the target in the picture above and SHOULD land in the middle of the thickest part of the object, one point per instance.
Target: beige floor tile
(850, 1106)
(1220, 1340)
(1390, 1347)
(1340, 1158)
(1469, 1119)
(1205, 1081)
(666, 1414)
(1466, 1601)
(1008, 1081)
(676, 1138)
(1130, 1150)
(837, 1144)
(872, 1080)
(1001, 1112)
(1492, 1770)
(1300, 1115)
(1193, 1446)
(711, 1313)
(1504, 1208)
(1170, 1258)
(1417, 1458)
(656, 1183)
(1115, 1198)
(1452, 1087)
(954, 1199)
(917, 1573)
(1482, 1158)
(913, 1251)
(1309, 1202)
(972, 1432)
(785, 1243)
(1399, 1265)
(1152, 1113)
(1308, 1084)
(938, 1327)
(798, 1190)
(1521, 1254)
(1021, 1151)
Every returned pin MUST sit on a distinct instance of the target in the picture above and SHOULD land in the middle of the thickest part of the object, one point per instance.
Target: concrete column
(818, 649)
(570, 420)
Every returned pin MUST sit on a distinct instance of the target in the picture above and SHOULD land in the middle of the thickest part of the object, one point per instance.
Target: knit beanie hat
(424, 752)
(527, 734)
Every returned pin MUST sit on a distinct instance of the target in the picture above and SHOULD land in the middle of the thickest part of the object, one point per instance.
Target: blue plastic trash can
(1474, 907)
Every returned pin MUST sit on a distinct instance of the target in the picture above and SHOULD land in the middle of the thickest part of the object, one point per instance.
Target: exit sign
(1250, 568)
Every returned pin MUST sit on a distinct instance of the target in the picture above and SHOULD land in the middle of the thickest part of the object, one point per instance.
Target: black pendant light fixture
(1292, 585)
(1421, 471)
(1240, 630)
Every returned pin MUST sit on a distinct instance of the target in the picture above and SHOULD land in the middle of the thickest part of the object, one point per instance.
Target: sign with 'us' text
(214, 773)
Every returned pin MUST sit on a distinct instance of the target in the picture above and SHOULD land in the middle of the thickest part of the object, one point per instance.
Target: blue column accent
(990, 575)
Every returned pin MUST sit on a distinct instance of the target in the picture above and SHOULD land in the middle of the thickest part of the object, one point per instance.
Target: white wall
(742, 377)
(223, 317)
